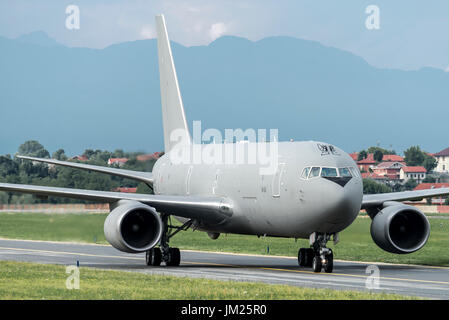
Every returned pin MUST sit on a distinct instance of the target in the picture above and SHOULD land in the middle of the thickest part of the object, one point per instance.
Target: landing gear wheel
(316, 264)
(174, 257)
(329, 265)
(302, 257)
(153, 257)
(309, 257)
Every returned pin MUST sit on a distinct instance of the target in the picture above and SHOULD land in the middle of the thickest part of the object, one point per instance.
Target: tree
(372, 187)
(378, 155)
(414, 156)
(409, 185)
(384, 151)
(34, 149)
(429, 179)
(362, 155)
(59, 155)
(429, 163)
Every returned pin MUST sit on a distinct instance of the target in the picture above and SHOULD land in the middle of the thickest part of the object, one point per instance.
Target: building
(389, 169)
(443, 161)
(366, 164)
(117, 161)
(82, 158)
(426, 186)
(393, 158)
(375, 177)
(416, 173)
(147, 157)
(125, 190)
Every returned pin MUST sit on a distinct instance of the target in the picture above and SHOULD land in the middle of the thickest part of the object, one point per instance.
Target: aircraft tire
(153, 257)
(329, 265)
(174, 257)
(316, 264)
(302, 257)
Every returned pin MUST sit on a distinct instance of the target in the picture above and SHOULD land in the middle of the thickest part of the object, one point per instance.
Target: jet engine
(133, 227)
(400, 228)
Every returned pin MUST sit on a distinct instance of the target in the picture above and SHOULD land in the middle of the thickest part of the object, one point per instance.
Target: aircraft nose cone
(343, 205)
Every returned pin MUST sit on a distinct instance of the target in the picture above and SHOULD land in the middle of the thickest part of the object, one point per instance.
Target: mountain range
(78, 98)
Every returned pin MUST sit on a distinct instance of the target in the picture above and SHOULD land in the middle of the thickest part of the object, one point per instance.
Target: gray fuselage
(283, 203)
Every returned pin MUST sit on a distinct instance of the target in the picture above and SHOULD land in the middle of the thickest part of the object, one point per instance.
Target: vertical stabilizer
(173, 116)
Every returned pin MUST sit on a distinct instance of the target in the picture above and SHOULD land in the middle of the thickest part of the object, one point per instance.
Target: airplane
(314, 192)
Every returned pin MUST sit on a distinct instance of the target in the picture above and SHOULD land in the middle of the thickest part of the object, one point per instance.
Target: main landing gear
(318, 256)
(170, 256)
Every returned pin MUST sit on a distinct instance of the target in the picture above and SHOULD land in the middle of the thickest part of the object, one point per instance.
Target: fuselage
(309, 187)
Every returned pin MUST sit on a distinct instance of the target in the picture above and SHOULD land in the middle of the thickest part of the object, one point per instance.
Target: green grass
(355, 242)
(20, 280)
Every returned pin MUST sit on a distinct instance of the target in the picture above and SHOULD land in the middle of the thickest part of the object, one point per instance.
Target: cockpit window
(344, 172)
(315, 172)
(354, 171)
(329, 172)
(305, 173)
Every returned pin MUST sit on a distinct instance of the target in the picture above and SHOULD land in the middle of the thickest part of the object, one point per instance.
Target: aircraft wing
(208, 209)
(146, 177)
(376, 200)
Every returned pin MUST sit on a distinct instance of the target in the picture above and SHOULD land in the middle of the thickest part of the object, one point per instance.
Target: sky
(410, 35)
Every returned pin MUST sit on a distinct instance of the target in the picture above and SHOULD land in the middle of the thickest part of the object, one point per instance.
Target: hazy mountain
(78, 98)
(39, 38)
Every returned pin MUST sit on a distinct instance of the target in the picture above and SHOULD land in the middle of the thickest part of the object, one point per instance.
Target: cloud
(447, 69)
(217, 30)
(147, 32)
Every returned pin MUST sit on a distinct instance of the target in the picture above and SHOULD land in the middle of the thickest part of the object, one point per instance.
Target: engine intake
(133, 227)
(400, 229)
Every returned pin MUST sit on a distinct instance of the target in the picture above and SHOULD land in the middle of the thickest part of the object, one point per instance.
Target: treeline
(15, 170)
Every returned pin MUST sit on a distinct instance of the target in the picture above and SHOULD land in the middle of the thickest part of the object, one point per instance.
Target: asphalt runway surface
(411, 280)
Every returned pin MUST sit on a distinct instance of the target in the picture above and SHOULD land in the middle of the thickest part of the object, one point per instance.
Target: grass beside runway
(21, 280)
(355, 242)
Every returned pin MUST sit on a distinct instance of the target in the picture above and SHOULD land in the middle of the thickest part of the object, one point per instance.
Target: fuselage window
(305, 173)
(344, 172)
(315, 172)
(329, 172)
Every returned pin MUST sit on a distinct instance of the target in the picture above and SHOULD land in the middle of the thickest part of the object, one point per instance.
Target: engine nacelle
(133, 227)
(400, 229)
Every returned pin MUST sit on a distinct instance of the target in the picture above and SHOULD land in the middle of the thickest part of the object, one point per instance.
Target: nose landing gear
(318, 256)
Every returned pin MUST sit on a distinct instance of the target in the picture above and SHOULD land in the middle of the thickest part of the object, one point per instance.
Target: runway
(429, 282)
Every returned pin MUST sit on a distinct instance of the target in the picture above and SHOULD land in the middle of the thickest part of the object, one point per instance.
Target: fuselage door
(277, 180)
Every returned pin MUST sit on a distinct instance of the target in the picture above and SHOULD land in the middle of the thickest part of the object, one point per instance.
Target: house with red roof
(393, 158)
(367, 163)
(443, 161)
(426, 186)
(374, 176)
(125, 190)
(81, 158)
(416, 173)
(147, 157)
(389, 169)
(117, 161)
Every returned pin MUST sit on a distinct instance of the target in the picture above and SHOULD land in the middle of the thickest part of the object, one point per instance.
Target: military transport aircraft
(314, 192)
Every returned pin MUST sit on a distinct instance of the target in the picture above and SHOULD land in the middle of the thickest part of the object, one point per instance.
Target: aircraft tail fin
(173, 116)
